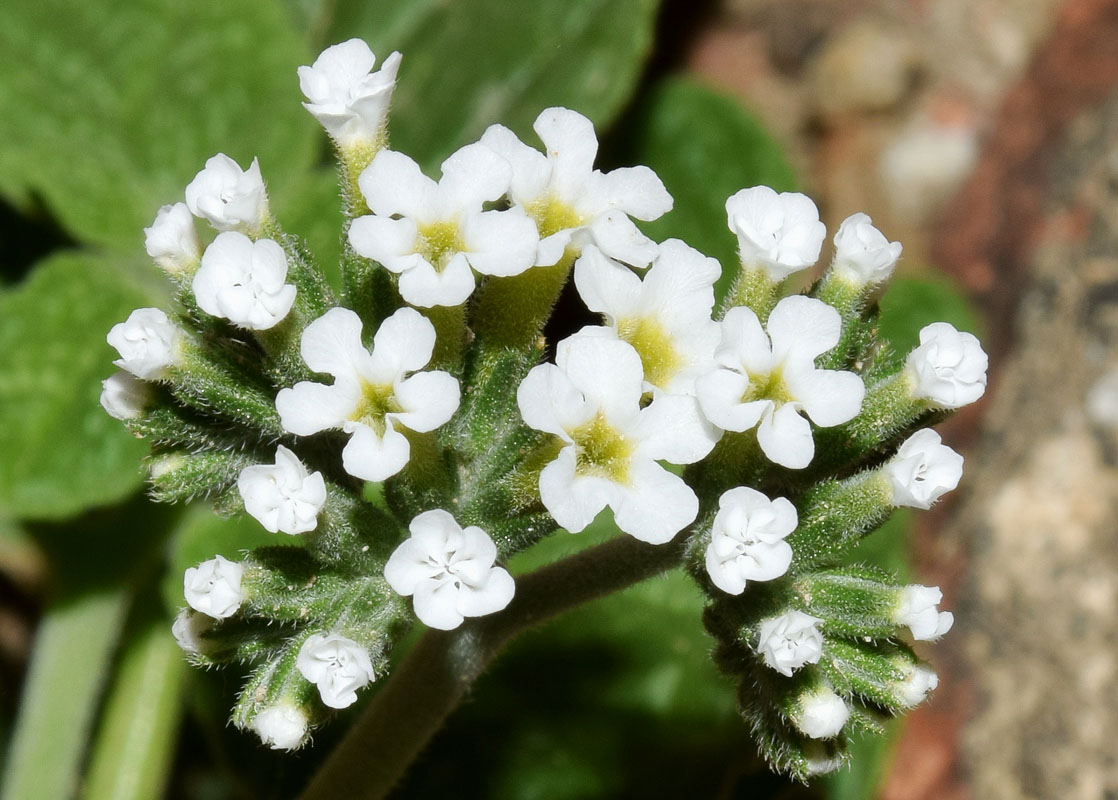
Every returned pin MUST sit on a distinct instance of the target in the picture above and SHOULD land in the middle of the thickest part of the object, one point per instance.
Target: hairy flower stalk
(754, 445)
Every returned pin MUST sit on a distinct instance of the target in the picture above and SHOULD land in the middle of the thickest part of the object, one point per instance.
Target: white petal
(803, 327)
(719, 394)
(607, 371)
(390, 242)
(724, 574)
(637, 191)
(553, 247)
(423, 286)
(308, 408)
(394, 184)
(429, 399)
(827, 396)
(549, 402)
(680, 284)
(472, 176)
(501, 243)
(571, 146)
(745, 345)
(606, 286)
(656, 505)
(573, 500)
(373, 458)
(618, 237)
(332, 344)
(785, 438)
(531, 170)
(673, 429)
(492, 596)
(407, 568)
(436, 605)
(403, 343)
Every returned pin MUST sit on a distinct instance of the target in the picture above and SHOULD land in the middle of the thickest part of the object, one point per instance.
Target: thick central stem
(426, 688)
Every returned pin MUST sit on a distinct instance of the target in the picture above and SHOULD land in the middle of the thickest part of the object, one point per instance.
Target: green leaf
(910, 303)
(474, 62)
(704, 146)
(109, 108)
(62, 452)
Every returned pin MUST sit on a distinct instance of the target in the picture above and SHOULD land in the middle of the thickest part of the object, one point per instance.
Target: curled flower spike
(766, 380)
(283, 496)
(572, 203)
(449, 570)
(790, 641)
(243, 281)
(433, 235)
(373, 397)
(918, 609)
(780, 233)
(747, 539)
(923, 470)
(148, 343)
(821, 714)
(665, 317)
(123, 396)
(948, 369)
(344, 94)
(172, 240)
(282, 726)
(229, 198)
(590, 398)
(337, 665)
(863, 256)
(214, 587)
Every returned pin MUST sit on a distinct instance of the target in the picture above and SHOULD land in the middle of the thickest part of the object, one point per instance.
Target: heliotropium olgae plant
(757, 442)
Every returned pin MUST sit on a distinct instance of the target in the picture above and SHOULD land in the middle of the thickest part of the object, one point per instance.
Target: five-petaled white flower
(373, 397)
(283, 496)
(769, 379)
(591, 399)
(789, 641)
(948, 369)
(747, 539)
(434, 235)
(820, 713)
(243, 281)
(918, 609)
(863, 256)
(665, 317)
(346, 96)
(572, 203)
(230, 198)
(148, 342)
(923, 470)
(449, 571)
(172, 240)
(779, 233)
(123, 396)
(214, 587)
(337, 665)
(918, 682)
(282, 726)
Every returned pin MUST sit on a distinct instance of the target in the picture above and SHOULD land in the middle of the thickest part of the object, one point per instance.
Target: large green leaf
(704, 146)
(474, 62)
(109, 108)
(62, 452)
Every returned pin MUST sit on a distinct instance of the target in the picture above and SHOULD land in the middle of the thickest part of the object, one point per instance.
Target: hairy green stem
(425, 689)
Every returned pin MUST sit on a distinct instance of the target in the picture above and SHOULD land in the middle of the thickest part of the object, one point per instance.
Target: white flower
(948, 368)
(747, 539)
(789, 641)
(780, 233)
(282, 726)
(923, 470)
(283, 496)
(172, 239)
(449, 570)
(771, 382)
(819, 761)
(821, 714)
(148, 343)
(188, 629)
(373, 397)
(230, 198)
(432, 234)
(346, 96)
(337, 665)
(214, 587)
(918, 609)
(917, 683)
(123, 396)
(572, 203)
(665, 317)
(863, 255)
(590, 398)
(243, 281)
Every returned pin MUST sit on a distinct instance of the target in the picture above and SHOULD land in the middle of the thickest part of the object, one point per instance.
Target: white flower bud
(923, 470)
(337, 665)
(283, 496)
(214, 587)
(778, 232)
(188, 629)
(821, 714)
(863, 255)
(948, 368)
(123, 396)
(148, 343)
(281, 727)
(227, 196)
(914, 689)
(747, 539)
(243, 281)
(172, 239)
(819, 760)
(917, 608)
(790, 641)
(346, 96)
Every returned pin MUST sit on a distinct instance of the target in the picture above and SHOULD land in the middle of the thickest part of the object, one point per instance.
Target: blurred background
(983, 134)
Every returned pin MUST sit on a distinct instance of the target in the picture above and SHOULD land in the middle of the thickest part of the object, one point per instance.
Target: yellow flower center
(439, 242)
(552, 215)
(601, 451)
(376, 401)
(768, 386)
(658, 355)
